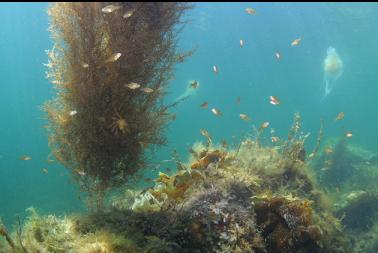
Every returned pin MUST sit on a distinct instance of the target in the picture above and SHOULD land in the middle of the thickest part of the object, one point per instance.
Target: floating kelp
(97, 51)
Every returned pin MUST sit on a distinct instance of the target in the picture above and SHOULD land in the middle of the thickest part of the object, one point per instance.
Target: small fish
(216, 112)
(163, 178)
(25, 158)
(45, 170)
(205, 133)
(274, 100)
(250, 11)
(238, 100)
(110, 8)
(73, 113)
(85, 65)
(168, 170)
(328, 150)
(113, 58)
(340, 116)
(147, 90)
(328, 163)
(181, 166)
(296, 42)
(241, 42)
(128, 13)
(264, 125)
(278, 55)
(194, 84)
(274, 139)
(80, 172)
(349, 134)
(132, 86)
(224, 143)
(50, 160)
(148, 180)
(215, 69)
(204, 105)
(244, 117)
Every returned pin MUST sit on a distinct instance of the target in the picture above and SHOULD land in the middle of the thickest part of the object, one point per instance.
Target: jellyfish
(333, 69)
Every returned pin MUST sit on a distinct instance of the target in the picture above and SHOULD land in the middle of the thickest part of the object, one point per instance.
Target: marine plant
(110, 65)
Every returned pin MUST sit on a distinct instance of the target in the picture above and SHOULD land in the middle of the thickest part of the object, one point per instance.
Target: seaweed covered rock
(366, 242)
(221, 220)
(357, 209)
(287, 225)
(346, 166)
(242, 200)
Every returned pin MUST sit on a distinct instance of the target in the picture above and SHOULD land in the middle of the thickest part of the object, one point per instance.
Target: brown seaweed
(98, 126)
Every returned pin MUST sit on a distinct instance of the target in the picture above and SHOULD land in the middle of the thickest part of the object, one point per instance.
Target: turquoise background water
(251, 73)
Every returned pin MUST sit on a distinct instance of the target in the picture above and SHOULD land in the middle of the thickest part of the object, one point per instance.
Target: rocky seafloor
(249, 198)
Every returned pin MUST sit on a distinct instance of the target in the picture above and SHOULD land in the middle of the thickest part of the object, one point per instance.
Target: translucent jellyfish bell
(333, 69)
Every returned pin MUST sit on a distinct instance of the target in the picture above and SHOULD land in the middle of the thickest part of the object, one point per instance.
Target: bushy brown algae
(98, 127)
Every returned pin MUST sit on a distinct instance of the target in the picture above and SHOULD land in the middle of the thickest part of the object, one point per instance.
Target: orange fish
(238, 100)
(241, 42)
(204, 104)
(244, 117)
(264, 125)
(205, 133)
(147, 90)
(128, 13)
(224, 143)
(274, 139)
(148, 180)
(194, 84)
(340, 116)
(80, 172)
(110, 8)
(25, 158)
(113, 58)
(328, 150)
(132, 85)
(168, 170)
(215, 69)
(216, 112)
(250, 11)
(274, 100)
(296, 42)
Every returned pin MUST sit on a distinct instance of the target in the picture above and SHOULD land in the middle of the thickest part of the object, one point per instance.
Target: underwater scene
(156, 127)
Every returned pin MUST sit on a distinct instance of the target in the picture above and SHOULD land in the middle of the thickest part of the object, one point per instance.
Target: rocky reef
(348, 174)
(249, 198)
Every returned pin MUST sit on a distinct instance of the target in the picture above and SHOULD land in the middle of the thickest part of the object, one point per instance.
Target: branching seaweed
(99, 127)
